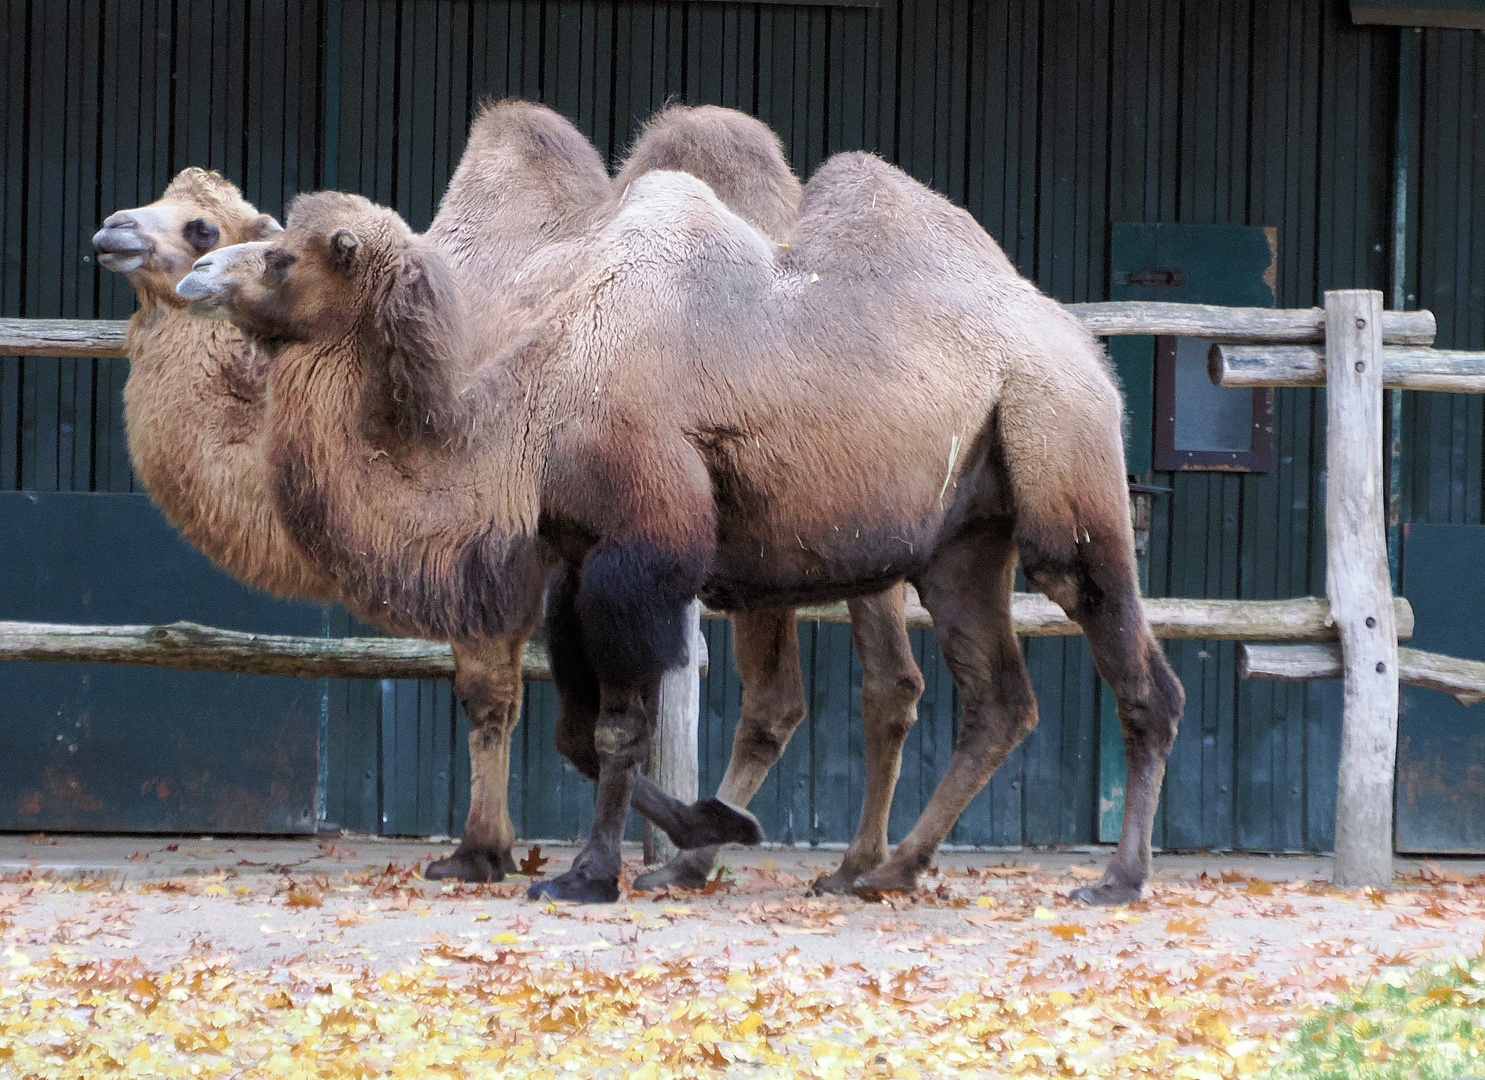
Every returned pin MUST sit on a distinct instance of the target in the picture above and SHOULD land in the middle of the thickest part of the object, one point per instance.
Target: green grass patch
(1421, 1024)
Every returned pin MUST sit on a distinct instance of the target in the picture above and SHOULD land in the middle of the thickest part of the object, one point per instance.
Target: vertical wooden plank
(1359, 589)
(674, 762)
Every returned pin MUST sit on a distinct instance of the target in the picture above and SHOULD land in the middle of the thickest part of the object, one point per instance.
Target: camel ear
(343, 247)
(261, 227)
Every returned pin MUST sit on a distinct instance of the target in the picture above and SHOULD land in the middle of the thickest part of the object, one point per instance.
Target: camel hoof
(876, 885)
(681, 871)
(471, 864)
(712, 822)
(1108, 893)
(839, 883)
(576, 887)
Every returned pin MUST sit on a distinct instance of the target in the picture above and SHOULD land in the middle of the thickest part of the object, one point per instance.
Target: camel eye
(278, 261)
(201, 235)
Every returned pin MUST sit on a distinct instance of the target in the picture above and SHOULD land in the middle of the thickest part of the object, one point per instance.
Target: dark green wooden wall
(1048, 120)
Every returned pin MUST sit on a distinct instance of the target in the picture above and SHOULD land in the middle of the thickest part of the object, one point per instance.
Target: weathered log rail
(1254, 326)
(1464, 680)
(188, 647)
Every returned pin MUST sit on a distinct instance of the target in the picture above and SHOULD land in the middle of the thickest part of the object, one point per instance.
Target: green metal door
(123, 749)
(1440, 788)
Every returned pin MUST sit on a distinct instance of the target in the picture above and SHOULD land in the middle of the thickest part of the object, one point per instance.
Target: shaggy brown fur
(743, 162)
(884, 399)
(193, 403)
(512, 149)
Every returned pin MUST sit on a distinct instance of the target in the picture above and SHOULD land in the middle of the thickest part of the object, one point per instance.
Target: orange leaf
(1185, 926)
(533, 862)
(304, 896)
(715, 883)
(1067, 931)
(1259, 887)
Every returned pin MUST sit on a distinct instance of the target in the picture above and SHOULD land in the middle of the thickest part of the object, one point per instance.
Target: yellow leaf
(986, 901)
(1415, 1026)
(677, 911)
(1044, 914)
(705, 1033)
(750, 1023)
(1061, 997)
(217, 890)
(506, 938)
(739, 980)
(481, 916)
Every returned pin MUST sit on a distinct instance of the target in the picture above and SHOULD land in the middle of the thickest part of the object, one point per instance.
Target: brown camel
(743, 162)
(195, 398)
(883, 399)
(195, 406)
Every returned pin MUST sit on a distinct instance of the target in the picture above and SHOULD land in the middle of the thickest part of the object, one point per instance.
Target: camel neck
(193, 410)
(439, 539)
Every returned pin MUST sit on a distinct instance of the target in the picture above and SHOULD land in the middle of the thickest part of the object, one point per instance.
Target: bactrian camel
(704, 412)
(194, 407)
(194, 404)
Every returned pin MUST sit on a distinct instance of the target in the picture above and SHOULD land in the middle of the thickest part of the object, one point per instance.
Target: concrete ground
(156, 956)
(361, 897)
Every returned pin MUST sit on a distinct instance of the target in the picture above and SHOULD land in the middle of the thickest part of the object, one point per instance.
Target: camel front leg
(766, 646)
(487, 680)
(891, 685)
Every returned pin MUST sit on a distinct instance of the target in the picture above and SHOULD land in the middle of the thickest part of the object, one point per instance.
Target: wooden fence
(1351, 346)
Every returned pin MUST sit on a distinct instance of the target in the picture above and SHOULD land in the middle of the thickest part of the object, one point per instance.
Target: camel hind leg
(891, 685)
(967, 587)
(1077, 547)
(1098, 591)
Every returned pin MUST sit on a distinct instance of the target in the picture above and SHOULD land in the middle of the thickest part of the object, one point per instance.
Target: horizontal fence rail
(189, 647)
(1260, 326)
(1464, 680)
(1403, 367)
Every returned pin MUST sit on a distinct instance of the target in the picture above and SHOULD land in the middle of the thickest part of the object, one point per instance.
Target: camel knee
(892, 694)
(762, 739)
(575, 744)
(1151, 714)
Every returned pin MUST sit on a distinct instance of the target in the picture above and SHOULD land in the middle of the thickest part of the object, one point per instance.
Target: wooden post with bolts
(1359, 588)
(673, 750)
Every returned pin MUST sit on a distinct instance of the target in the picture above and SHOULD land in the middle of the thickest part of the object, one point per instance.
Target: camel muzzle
(202, 283)
(120, 247)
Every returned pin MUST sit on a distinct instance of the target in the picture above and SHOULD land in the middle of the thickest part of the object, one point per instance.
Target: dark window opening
(1203, 427)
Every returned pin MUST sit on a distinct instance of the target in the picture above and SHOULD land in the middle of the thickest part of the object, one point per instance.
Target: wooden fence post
(673, 751)
(1359, 587)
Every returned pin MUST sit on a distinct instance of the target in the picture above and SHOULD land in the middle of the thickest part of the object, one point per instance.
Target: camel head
(348, 277)
(155, 245)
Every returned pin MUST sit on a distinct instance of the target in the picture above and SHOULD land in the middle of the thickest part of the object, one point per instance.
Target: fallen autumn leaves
(990, 971)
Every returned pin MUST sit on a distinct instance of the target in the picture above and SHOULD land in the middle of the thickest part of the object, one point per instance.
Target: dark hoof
(877, 884)
(684, 871)
(576, 887)
(471, 864)
(840, 883)
(711, 822)
(1107, 893)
